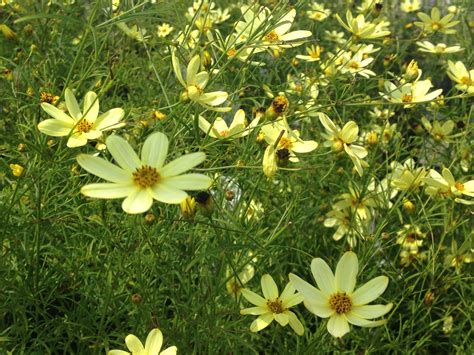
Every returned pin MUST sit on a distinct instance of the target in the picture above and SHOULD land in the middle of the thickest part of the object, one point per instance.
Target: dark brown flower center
(146, 176)
(275, 306)
(340, 302)
(83, 126)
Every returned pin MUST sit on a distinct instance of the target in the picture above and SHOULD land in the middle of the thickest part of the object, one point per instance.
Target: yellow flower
(153, 344)
(412, 72)
(143, 180)
(164, 30)
(314, 54)
(464, 78)
(406, 176)
(361, 29)
(133, 32)
(410, 93)
(195, 82)
(356, 63)
(445, 185)
(342, 140)
(7, 31)
(360, 204)
(440, 132)
(440, 48)
(17, 169)
(188, 207)
(336, 299)
(410, 5)
(234, 283)
(273, 306)
(219, 128)
(79, 126)
(435, 23)
(318, 12)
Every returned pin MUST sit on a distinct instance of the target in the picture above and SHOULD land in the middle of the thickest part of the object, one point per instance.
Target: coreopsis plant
(141, 181)
(361, 204)
(463, 78)
(436, 23)
(313, 54)
(219, 128)
(410, 5)
(336, 297)
(356, 63)
(444, 185)
(410, 94)
(360, 28)
(407, 176)
(343, 139)
(318, 12)
(153, 345)
(79, 126)
(273, 306)
(441, 132)
(440, 48)
(195, 82)
(346, 223)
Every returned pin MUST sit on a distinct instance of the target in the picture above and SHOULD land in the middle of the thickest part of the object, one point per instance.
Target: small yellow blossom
(17, 169)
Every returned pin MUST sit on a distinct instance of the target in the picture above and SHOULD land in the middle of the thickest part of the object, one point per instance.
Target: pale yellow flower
(445, 185)
(219, 129)
(164, 30)
(314, 54)
(343, 139)
(141, 181)
(463, 78)
(406, 176)
(318, 12)
(440, 48)
(356, 63)
(17, 169)
(410, 5)
(410, 93)
(195, 82)
(336, 299)
(273, 306)
(79, 126)
(441, 132)
(153, 344)
(360, 28)
(436, 23)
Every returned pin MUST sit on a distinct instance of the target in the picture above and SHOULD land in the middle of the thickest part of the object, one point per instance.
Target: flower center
(354, 65)
(224, 133)
(280, 104)
(337, 145)
(459, 186)
(466, 81)
(275, 306)
(340, 302)
(436, 26)
(272, 36)
(83, 126)
(145, 176)
(285, 143)
(407, 98)
(231, 52)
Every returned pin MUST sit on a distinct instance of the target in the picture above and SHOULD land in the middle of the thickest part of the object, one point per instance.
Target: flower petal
(139, 201)
(261, 322)
(213, 98)
(323, 275)
(57, 113)
(167, 194)
(370, 291)
(346, 272)
(321, 310)
(192, 69)
(154, 341)
(182, 164)
(338, 326)
(110, 120)
(254, 311)
(304, 146)
(253, 298)
(107, 190)
(72, 105)
(308, 291)
(118, 352)
(189, 182)
(91, 106)
(102, 168)
(281, 318)
(269, 287)
(55, 128)
(371, 311)
(360, 322)
(154, 150)
(133, 343)
(169, 351)
(123, 153)
(295, 323)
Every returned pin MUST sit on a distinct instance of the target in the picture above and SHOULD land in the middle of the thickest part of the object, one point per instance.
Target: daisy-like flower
(79, 126)
(153, 344)
(314, 54)
(164, 30)
(410, 93)
(464, 78)
(334, 36)
(219, 129)
(280, 136)
(318, 12)
(336, 298)
(196, 82)
(436, 23)
(342, 140)
(360, 28)
(279, 35)
(356, 64)
(441, 132)
(273, 306)
(346, 224)
(410, 5)
(406, 176)
(440, 48)
(360, 204)
(445, 185)
(142, 180)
